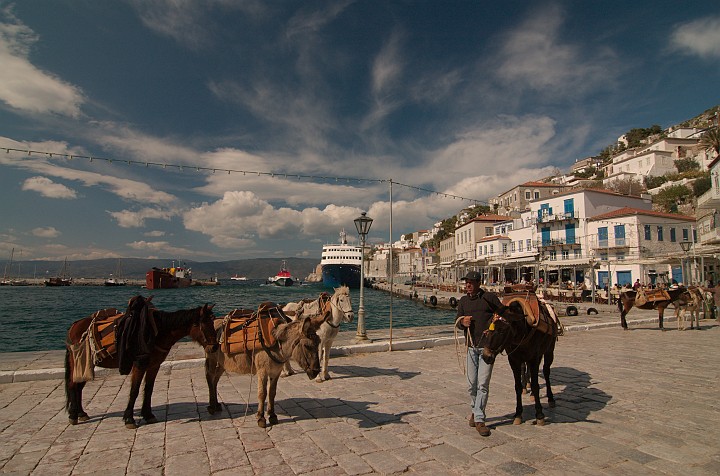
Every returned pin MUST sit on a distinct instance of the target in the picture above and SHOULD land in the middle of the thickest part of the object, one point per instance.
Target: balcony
(558, 217)
(556, 242)
(709, 199)
(709, 235)
(617, 244)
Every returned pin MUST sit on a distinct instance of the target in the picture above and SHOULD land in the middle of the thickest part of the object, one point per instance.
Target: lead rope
(468, 341)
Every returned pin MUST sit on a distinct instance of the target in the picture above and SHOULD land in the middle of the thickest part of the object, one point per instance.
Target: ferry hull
(336, 275)
(156, 279)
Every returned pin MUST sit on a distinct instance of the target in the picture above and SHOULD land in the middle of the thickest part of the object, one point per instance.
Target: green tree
(686, 165)
(628, 186)
(702, 185)
(710, 141)
(669, 197)
(654, 181)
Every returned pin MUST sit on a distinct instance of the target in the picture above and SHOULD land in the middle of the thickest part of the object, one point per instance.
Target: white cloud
(240, 218)
(46, 232)
(700, 37)
(22, 85)
(162, 247)
(47, 188)
(136, 219)
(533, 55)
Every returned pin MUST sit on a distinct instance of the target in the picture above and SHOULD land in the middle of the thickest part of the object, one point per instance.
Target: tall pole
(361, 335)
(392, 269)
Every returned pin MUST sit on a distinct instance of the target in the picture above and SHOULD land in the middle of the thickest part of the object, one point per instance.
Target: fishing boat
(238, 278)
(168, 278)
(116, 279)
(340, 264)
(60, 280)
(283, 278)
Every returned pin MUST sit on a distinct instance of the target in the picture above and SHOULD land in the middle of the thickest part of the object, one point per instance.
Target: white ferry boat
(341, 263)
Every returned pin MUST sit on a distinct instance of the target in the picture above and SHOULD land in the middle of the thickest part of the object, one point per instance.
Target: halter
(329, 300)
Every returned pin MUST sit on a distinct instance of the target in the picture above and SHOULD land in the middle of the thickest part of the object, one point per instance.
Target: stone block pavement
(628, 402)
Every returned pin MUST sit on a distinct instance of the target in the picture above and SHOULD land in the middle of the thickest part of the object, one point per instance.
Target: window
(603, 237)
(504, 248)
(673, 239)
(620, 256)
(553, 255)
(536, 194)
(528, 244)
(660, 233)
(491, 249)
(577, 253)
(686, 235)
(528, 195)
(488, 230)
(619, 235)
(565, 254)
(512, 246)
(648, 237)
(520, 246)
(603, 256)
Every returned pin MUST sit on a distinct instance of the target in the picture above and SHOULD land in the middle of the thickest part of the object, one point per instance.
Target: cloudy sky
(328, 100)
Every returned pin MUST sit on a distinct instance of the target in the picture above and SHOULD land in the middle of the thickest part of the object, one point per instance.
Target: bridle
(331, 304)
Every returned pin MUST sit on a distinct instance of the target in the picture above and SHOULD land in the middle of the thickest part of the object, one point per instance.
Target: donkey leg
(262, 395)
(213, 372)
(623, 321)
(661, 313)
(323, 354)
(287, 370)
(517, 374)
(272, 417)
(547, 362)
(81, 415)
(146, 410)
(135, 379)
(534, 368)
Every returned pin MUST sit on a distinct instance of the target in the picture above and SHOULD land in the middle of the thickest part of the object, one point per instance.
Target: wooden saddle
(103, 333)
(248, 330)
(643, 296)
(535, 317)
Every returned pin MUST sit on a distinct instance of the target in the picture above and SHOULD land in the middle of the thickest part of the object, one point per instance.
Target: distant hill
(135, 268)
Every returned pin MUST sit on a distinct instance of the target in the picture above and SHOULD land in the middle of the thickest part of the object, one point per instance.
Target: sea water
(34, 318)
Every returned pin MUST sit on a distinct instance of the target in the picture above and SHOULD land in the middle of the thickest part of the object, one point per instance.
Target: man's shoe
(482, 429)
(471, 421)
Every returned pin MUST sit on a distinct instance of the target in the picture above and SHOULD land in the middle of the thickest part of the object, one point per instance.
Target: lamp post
(685, 245)
(362, 224)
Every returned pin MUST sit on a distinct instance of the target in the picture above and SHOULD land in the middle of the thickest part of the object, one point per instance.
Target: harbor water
(34, 318)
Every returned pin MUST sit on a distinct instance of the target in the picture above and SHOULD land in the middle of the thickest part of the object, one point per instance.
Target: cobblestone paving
(634, 402)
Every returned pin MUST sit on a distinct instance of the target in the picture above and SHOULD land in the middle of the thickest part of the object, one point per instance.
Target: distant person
(475, 312)
(637, 285)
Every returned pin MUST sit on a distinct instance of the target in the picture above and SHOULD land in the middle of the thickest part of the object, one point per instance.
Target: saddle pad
(246, 330)
(657, 295)
(103, 332)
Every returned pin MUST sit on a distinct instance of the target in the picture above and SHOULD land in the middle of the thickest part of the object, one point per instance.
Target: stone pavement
(635, 402)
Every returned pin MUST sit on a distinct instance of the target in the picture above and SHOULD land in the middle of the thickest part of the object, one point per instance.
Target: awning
(567, 263)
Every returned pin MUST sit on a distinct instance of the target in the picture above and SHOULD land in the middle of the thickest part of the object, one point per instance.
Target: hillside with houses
(645, 208)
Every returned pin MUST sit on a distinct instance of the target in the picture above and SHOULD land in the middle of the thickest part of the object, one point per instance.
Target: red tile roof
(628, 211)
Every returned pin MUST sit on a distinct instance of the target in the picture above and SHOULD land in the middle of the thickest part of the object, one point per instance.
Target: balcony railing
(709, 199)
(563, 216)
(709, 236)
(552, 242)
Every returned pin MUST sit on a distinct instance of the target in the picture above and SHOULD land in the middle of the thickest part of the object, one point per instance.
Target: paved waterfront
(634, 402)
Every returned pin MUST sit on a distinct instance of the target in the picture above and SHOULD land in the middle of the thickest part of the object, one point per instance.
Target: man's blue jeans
(478, 375)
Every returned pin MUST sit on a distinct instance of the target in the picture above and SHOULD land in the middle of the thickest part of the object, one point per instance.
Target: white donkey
(336, 309)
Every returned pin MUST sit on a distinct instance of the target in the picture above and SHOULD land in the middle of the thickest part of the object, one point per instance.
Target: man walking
(475, 311)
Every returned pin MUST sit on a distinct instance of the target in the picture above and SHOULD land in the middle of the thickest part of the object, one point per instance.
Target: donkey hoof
(273, 419)
(83, 417)
(540, 422)
(517, 421)
(73, 421)
(213, 409)
(262, 423)
(131, 424)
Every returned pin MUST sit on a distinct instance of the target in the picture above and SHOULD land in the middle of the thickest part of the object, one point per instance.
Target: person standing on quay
(475, 312)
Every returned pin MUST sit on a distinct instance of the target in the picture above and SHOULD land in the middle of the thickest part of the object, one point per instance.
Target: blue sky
(467, 98)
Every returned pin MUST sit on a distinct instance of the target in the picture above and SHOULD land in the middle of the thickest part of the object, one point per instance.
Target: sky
(320, 110)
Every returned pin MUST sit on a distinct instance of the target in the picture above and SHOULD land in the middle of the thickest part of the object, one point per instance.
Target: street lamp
(362, 224)
(685, 245)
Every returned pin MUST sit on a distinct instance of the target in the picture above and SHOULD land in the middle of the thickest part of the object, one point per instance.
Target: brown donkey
(297, 340)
